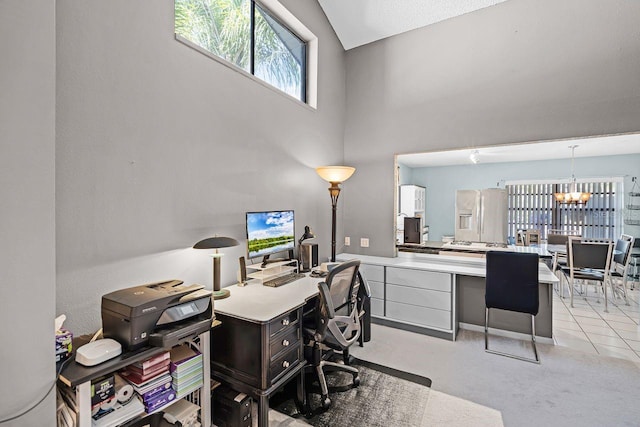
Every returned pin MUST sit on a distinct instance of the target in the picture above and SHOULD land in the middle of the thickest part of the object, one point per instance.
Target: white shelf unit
(79, 379)
(272, 270)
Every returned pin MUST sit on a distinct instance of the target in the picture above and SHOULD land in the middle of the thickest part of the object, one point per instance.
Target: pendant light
(573, 196)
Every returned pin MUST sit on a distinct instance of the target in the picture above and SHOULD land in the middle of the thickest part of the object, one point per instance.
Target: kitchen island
(437, 294)
(469, 248)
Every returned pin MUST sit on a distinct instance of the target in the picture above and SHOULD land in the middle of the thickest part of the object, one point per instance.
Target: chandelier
(573, 196)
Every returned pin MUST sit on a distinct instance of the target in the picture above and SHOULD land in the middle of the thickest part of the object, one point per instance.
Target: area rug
(385, 397)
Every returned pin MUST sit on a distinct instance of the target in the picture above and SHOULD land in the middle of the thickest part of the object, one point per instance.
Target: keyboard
(283, 280)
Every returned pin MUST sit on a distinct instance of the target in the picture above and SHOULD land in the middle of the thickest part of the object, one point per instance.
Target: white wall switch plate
(347, 240)
(364, 242)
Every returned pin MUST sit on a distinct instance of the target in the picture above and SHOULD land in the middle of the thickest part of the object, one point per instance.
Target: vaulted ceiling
(358, 22)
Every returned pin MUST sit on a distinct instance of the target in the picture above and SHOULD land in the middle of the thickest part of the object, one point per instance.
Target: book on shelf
(185, 388)
(183, 357)
(159, 400)
(150, 370)
(160, 359)
(140, 380)
(163, 382)
(187, 376)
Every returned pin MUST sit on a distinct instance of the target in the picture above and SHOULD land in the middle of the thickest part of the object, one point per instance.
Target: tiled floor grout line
(588, 304)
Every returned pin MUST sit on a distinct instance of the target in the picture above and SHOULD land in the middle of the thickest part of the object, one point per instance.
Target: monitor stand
(266, 260)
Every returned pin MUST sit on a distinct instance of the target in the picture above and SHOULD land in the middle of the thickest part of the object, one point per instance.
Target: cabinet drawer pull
(285, 364)
(285, 322)
(285, 343)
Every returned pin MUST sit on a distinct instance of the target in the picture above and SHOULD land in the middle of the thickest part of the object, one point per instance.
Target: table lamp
(308, 234)
(335, 175)
(217, 243)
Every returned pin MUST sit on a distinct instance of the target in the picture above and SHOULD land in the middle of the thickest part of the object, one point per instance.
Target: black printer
(158, 314)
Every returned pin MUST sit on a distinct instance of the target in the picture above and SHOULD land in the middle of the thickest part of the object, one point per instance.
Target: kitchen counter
(434, 247)
(410, 292)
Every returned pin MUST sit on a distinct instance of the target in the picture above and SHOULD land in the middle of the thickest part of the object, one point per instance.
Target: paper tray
(172, 336)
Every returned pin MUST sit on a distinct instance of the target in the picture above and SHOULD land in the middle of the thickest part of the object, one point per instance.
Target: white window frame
(275, 8)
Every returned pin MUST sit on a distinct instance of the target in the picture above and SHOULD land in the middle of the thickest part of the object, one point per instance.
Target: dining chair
(559, 259)
(512, 284)
(620, 266)
(588, 262)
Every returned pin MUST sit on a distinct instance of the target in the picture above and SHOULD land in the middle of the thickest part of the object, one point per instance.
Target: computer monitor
(269, 232)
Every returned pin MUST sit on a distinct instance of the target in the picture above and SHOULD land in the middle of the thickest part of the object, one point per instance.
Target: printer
(158, 314)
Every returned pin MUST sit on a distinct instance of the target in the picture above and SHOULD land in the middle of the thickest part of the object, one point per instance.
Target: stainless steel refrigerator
(481, 215)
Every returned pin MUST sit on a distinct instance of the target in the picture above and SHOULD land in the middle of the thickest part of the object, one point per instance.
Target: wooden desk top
(258, 303)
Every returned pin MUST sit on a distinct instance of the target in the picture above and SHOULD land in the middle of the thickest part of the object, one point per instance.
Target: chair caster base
(326, 402)
(356, 381)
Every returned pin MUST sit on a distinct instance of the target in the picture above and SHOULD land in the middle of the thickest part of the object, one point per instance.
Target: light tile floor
(588, 328)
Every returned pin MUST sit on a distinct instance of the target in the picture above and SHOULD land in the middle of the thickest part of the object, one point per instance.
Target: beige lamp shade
(335, 173)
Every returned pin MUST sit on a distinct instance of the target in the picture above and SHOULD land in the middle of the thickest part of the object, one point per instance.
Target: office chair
(512, 284)
(330, 331)
(364, 308)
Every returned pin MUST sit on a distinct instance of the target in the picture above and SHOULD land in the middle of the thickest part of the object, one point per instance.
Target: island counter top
(460, 265)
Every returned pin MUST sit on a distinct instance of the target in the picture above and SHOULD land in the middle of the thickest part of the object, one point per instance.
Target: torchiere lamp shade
(217, 243)
(335, 175)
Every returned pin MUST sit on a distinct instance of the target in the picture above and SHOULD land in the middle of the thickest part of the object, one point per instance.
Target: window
(248, 36)
(532, 206)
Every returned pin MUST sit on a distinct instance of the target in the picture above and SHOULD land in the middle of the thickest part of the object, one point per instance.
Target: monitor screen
(269, 232)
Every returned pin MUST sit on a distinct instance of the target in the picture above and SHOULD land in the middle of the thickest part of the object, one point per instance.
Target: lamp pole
(334, 192)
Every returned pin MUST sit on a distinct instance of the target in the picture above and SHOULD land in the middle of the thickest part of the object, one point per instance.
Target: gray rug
(385, 397)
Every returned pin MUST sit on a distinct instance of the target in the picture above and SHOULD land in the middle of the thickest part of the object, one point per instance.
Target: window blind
(533, 206)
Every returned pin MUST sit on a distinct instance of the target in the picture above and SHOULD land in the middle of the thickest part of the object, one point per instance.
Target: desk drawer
(419, 315)
(419, 279)
(289, 339)
(288, 320)
(282, 364)
(377, 289)
(420, 297)
(377, 307)
(372, 272)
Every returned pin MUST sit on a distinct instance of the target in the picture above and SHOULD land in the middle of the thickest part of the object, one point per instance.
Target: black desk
(259, 348)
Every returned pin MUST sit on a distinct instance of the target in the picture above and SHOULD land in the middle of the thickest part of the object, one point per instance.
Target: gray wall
(524, 70)
(27, 211)
(442, 182)
(159, 146)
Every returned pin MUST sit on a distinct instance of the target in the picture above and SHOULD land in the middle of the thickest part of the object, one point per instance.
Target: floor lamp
(217, 243)
(335, 175)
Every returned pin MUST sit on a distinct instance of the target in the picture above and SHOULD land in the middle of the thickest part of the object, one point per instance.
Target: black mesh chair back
(512, 284)
(337, 323)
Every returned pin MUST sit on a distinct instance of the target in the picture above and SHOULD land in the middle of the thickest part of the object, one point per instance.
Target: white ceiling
(586, 147)
(358, 22)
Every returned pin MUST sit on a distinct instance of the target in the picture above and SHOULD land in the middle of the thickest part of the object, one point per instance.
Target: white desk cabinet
(414, 297)
(374, 274)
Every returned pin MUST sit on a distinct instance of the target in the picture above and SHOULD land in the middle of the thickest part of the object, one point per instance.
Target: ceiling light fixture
(573, 196)
(474, 157)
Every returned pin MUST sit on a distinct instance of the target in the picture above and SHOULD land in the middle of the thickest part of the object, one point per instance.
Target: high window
(532, 206)
(250, 37)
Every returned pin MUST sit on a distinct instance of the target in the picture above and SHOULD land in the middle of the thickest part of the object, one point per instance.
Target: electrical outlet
(364, 242)
(347, 240)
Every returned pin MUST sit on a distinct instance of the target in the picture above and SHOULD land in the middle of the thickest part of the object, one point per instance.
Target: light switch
(364, 242)
(347, 240)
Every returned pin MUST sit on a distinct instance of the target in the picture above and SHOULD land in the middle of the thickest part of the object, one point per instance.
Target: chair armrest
(325, 295)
